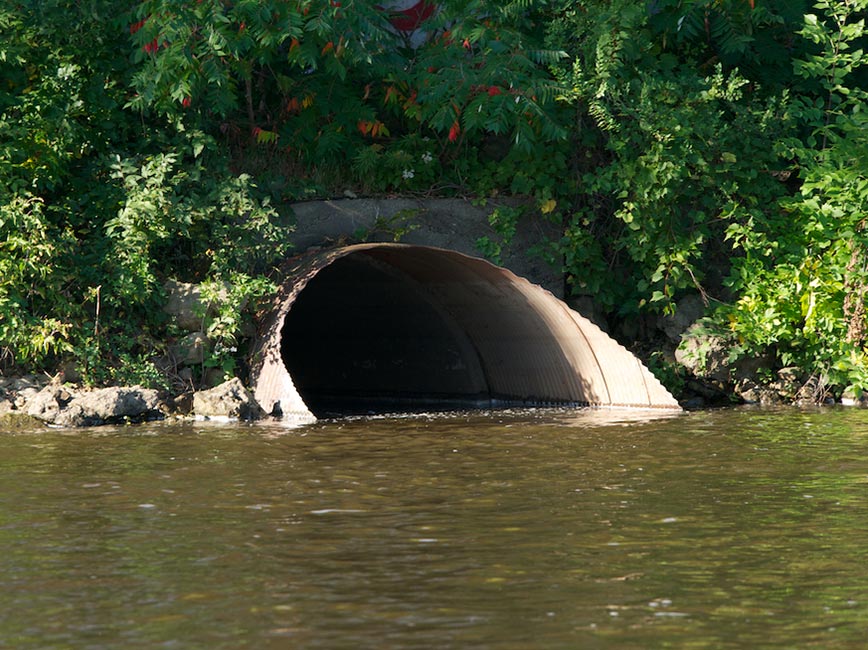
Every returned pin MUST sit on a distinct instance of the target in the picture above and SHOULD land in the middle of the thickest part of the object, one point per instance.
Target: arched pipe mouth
(392, 327)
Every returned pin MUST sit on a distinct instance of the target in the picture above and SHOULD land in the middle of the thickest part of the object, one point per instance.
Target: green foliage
(228, 299)
(58, 114)
(411, 163)
(755, 36)
(671, 153)
(801, 265)
(99, 205)
(28, 253)
(504, 221)
(138, 370)
(721, 146)
(299, 80)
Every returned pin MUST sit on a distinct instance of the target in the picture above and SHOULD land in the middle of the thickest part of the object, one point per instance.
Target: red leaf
(454, 131)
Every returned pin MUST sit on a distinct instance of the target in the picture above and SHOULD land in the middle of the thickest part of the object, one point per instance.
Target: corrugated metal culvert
(385, 327)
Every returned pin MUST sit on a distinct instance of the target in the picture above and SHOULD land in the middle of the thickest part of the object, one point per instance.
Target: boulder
(190, 350)
(704, 355)
(20, 390)
(750, 392)
(6, 403)
(55, 405)
(184, 303)
(688, 310)
(43, 405)
(709, 355)
(852, 396)
(228, 401)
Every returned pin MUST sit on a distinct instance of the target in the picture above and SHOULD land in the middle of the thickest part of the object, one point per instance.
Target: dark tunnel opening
(363, 337)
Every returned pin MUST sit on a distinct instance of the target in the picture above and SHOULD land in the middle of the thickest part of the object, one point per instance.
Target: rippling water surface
(526, 530)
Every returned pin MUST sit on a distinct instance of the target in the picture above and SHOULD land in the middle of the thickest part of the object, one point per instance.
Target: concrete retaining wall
(454, 224)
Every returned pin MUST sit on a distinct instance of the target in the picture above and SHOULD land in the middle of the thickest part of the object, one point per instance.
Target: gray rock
(792, 374)
(704, 355)
(708, 355)
(750, 367)
(694, 403)
(70, 372)
(110, 405)
(688, 310)
(184, 303)
(710, 389)
(57, 405)
(182, 404)
(17, 384)
(6, 403)
(24, 396)
(190, 350)
(813, 391)
(852, 396)
(752, 393)
(44, 405)
(228, 401)
(20, 390)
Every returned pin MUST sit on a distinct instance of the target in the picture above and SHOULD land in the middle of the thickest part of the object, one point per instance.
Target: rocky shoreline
(31, 400)
(63, 401)
(698, 363)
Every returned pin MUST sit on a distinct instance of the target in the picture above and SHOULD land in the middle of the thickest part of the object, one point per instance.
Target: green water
(527, 530)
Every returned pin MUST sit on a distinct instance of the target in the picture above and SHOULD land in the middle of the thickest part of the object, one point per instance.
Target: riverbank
(696, 364)
(32, 400)
(35, 401)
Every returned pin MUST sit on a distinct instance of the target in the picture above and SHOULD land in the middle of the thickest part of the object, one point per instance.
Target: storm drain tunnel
(386, 327)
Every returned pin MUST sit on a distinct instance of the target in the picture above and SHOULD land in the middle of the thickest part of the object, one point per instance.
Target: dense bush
(99, 204)
(721, 149)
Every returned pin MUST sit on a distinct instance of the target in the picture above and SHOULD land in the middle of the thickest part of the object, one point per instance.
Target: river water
(509, 530)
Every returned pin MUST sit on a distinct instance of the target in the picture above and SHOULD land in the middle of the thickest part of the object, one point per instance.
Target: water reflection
(541, 529)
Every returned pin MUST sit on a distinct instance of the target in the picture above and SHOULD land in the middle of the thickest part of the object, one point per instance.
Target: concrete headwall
(454, 224)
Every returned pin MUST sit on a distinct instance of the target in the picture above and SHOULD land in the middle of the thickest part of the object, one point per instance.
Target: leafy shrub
(801, 280)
